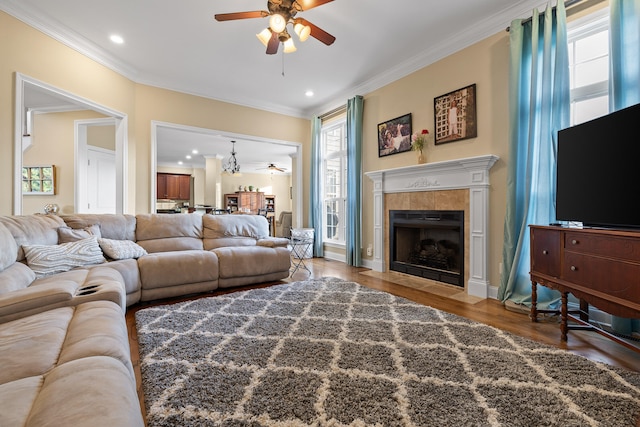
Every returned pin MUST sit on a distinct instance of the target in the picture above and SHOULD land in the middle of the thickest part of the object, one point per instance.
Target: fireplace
(437, 186)
(428, 243)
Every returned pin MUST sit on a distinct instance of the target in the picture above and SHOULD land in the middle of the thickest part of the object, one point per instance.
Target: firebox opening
(428, 244)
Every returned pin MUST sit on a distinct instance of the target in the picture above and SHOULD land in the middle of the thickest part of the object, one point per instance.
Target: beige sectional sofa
(63, 342)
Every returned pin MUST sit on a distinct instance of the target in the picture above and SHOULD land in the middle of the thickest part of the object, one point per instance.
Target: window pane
(590, 109)
(592, 47)
(333, 178)
(47, 186)
(592, 72)
(333, 141)
(333, 219)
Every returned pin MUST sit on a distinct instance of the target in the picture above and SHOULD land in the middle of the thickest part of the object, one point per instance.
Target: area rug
(329, 352)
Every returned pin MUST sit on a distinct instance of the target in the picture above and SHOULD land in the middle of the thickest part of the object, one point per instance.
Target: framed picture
(394, 136)
(455, 115)
(38, 180)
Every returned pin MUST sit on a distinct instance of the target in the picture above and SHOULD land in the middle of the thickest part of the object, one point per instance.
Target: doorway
(33, 95)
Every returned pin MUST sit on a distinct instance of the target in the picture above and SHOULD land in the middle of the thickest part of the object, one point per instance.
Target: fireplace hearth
(428, 243)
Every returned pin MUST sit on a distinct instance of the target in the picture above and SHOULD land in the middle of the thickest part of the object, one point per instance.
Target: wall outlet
(370, 250)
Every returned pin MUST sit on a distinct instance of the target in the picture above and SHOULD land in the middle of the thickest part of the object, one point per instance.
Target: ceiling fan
(273, 167)
(281, 13)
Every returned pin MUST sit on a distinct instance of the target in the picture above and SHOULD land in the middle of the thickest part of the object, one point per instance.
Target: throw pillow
(121, 249)
(45, 260)
(68, 234)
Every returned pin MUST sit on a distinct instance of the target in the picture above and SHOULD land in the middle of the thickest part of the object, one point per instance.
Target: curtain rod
(339, 110)
(570, 4)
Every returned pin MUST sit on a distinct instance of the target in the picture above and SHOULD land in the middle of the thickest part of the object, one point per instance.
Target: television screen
(598, 171)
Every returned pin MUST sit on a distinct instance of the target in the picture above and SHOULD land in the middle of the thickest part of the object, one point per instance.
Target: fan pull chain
(282, 63)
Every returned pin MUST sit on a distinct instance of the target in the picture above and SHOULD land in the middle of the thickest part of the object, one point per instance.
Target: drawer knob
(574, 242)
(573, 268)
(545, 252)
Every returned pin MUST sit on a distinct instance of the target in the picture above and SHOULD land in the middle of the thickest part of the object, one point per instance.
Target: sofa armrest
(35, 299)
(273, 242)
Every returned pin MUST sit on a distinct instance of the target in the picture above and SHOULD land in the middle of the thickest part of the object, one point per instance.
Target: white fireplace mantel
(469, 173)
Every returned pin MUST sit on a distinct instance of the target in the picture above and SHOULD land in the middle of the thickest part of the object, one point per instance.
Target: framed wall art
(455, 115)
(394, 136)
(38, 180)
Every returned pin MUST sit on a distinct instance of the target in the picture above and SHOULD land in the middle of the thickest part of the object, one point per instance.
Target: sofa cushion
(89, 392)
(45, 260)
(31, 346)
(222, 242)
(121, 249)
(67, 234)
(217, 226)
(32, 230)
(8, 248)
(251, 261)
(163, 269)
(112, 226)
(17, 398)
(160, 226)
(169, 232)
(16, 277)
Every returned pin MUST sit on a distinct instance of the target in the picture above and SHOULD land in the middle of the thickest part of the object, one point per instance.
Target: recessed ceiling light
(116, 39)
(188, 156)
(194, 152)
(180, 162)
(309, 93)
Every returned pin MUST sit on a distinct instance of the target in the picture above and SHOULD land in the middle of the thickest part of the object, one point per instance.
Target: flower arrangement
(419, 140)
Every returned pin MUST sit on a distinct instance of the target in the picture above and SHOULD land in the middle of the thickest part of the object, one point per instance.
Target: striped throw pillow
(46, 260)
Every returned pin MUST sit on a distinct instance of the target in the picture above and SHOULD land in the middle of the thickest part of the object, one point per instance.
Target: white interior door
(101, 181)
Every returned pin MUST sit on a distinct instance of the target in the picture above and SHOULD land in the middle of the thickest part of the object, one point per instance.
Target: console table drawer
(596, 274)
(545, 251)
(605, 245)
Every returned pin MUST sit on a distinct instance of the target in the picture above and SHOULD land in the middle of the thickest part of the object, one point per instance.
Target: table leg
(564, 318)
(534, 302)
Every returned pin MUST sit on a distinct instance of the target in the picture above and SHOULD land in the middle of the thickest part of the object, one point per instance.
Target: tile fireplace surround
(447, 178)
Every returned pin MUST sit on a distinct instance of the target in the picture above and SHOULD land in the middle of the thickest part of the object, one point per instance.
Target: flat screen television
(598, 171)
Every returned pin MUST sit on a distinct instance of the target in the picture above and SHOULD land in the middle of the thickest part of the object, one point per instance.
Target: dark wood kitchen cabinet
(172, 186)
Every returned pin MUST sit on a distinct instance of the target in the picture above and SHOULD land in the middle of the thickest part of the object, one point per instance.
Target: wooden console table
(600, 267)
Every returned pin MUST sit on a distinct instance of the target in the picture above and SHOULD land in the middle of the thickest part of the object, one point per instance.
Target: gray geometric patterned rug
(333, 353)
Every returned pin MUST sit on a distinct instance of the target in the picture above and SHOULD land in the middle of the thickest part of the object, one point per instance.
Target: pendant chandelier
(231, 166)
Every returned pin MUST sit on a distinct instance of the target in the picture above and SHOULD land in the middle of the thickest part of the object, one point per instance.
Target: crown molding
(479, 31)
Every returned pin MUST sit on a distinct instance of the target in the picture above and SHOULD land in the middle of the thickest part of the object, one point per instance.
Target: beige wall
(486, 64)
(32, 53)
(53, 143)
(178, 108)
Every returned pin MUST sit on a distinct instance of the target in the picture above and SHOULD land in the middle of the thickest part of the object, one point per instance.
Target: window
(334, 189)
(589, 67)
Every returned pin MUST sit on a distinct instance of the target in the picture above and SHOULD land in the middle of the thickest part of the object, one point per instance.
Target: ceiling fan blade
(274, 42)
(241, 15)
(301, 5)
(318, 33)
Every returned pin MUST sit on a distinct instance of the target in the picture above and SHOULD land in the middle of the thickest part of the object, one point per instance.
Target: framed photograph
(455, 115)
(394, 136)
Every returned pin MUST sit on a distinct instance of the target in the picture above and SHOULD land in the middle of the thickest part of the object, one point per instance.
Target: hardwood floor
(487, 311)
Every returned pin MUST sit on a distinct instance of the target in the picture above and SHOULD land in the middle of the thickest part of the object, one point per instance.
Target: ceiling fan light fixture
(277, 23)
(289, 47)
(303, 31)
(264, 36)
